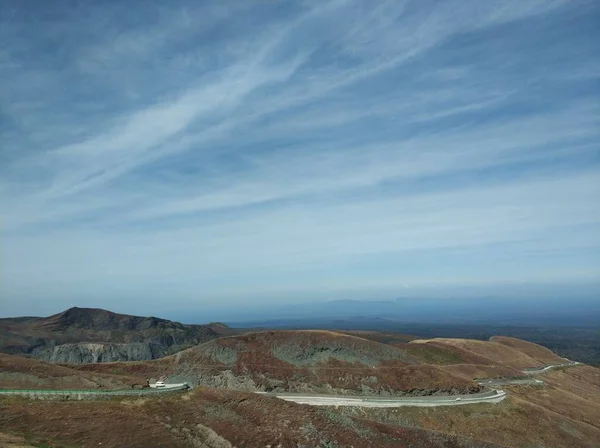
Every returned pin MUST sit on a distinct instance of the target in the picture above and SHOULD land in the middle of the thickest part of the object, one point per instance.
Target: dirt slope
(563, 413)
(487, 352)
(535, 351)
(209, 418)
(17, 372)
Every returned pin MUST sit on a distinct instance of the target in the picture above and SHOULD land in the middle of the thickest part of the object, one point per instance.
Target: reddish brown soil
(13, 441)
(471, 371)
(17, 372)
(537, 352)
(245, 420)
(563, 413)
(487, 352)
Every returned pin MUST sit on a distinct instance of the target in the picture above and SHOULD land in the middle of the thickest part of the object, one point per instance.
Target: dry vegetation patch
(563, 413)
(17, 372)
(207, 418)
(535, 351)
(485, 352)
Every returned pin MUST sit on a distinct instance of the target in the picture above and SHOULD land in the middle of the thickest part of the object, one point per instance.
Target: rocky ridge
(87, 335)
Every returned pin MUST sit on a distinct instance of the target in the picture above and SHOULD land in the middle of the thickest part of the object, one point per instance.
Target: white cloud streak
(230, 138)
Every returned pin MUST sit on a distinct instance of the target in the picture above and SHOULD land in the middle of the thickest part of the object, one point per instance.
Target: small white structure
(161, 383)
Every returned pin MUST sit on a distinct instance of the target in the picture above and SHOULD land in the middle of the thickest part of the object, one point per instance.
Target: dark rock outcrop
(91, 352)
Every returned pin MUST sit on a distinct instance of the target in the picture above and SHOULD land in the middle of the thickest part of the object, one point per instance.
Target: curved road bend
(536, 370)
(509, 382)
(526, 381)
(493, 396)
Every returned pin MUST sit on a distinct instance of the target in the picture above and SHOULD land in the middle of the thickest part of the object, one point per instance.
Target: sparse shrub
(345, 421)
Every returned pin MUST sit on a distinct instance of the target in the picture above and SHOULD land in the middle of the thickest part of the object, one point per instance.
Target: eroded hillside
(86, 335)
(301, 361)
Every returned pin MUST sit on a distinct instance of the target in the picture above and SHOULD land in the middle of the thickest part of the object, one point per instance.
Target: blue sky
(246, 153)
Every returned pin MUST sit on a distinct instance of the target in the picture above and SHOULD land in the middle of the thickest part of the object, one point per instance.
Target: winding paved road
(536, 370)
(526, 381)
(493, 396)
(490, 396)
(508, 382)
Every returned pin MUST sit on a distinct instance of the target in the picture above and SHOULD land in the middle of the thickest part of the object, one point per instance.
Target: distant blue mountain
(490, 309)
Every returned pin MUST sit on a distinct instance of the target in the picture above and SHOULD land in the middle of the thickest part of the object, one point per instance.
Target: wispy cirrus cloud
(243, 137)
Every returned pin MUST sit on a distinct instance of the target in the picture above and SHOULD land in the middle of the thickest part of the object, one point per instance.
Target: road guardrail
(69, 392)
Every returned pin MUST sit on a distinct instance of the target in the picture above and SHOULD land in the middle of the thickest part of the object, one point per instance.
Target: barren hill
(300, 361)
(85, 335)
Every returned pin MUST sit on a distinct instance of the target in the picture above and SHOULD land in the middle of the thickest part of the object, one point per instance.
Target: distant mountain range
(488, 309)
